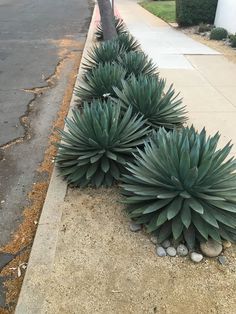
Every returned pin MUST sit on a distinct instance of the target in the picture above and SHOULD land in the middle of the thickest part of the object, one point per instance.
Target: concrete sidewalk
(85, 259)
(205, 79)
(164, 44)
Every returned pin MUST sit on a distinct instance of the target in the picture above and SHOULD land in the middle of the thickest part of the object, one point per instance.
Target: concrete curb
(42, 255)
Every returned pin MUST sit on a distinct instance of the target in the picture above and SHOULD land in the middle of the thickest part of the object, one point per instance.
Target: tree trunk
(107, 19)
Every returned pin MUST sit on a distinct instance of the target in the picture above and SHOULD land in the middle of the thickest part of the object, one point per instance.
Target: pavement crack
(50, 81)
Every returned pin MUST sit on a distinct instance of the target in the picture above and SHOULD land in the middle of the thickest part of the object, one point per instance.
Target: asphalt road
(35, 36)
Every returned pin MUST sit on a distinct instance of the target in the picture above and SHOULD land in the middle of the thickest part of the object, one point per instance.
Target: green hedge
(193, 12)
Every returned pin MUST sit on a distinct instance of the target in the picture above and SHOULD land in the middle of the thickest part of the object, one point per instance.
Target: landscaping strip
(167, 189)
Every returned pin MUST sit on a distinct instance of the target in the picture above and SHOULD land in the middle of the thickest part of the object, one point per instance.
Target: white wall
(226, 15)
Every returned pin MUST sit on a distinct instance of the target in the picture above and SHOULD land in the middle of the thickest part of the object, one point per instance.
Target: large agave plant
(120, 28)
(136, 62)
(107, 51)
(99, 82)
(181, 185)
(146, 95)
(98, 143)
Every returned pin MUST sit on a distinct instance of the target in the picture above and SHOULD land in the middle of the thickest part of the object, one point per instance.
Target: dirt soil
(109, 269)
(227, 51)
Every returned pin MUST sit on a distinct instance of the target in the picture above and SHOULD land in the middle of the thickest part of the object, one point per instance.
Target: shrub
(146, 96)
(232, 39)
(98, 143)
(136, 62)
(204, 28)
(193, 12)
(107, 51)
(218, 33)
(182, 186)
(120, 28)
(99, 82)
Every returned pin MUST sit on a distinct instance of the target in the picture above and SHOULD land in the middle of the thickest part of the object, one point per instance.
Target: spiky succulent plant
(128, 42)
(120, 28)
(136, 62)
(106, 52)
(181, 185)
(99, 82)
(98, 143)
(147, 96)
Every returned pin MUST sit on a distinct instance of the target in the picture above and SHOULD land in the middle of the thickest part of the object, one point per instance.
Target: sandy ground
(227, 51)
(109, 269)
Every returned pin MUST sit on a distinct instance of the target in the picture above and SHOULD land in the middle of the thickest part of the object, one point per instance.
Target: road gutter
(42, 255)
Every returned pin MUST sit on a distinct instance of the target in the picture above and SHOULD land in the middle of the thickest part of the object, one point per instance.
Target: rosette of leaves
(182, 185)
(100, 81)
(98, 143)
(146, 95)
(128, 42)
(120, 28)
(136, 62)
(106, 52)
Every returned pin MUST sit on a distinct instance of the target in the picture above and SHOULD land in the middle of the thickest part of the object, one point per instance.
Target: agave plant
(98, 143)
(120, 28)
(136, 62)
(181, 185)
(128, 42)
(146, 95)
(107, 51)
(99, 82)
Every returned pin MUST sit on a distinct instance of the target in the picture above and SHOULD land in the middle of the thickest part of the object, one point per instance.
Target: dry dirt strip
(86, 260)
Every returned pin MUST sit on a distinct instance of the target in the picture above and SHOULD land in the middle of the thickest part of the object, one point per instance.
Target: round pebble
(182, 250)
(226, 244)
(135, 227)
(222, 259)
(161, 251)
(171, 251)
(165, 244)
(211, 248)
(153, 239)
(195, 257)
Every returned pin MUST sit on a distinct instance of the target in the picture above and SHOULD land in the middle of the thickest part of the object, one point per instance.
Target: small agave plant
(107, 51)
(128, 42)
(136, 62)
(120, 28)
(98, 143)
(100, 81)
(146, 96)
(182, 186)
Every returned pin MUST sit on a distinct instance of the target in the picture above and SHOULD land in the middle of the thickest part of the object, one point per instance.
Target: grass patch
(163, 9)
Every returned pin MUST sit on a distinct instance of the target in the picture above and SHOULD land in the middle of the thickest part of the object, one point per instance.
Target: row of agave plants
(128, 128)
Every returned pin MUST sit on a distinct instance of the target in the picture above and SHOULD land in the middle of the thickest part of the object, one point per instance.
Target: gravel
(222, 260)
(182, 250)
(211, 248)
(226, 244)
(135, 227)
(161, 251)
(165, 244)
(196, 257)
(171, 251)
(153, 239)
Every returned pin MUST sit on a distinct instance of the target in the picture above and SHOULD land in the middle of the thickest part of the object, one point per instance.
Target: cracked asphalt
(36, 37)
